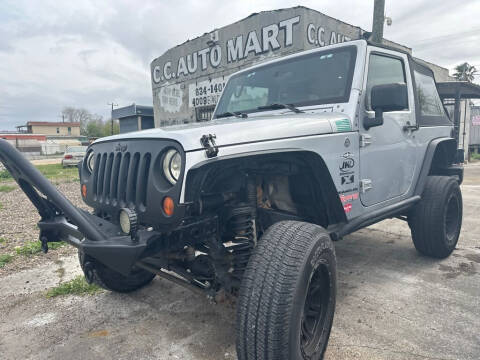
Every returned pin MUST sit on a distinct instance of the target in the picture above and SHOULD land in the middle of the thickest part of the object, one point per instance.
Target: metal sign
(476, 120)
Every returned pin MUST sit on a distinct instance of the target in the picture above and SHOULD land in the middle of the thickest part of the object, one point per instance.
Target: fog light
(168, 206)
(128, 221)
(84, 190)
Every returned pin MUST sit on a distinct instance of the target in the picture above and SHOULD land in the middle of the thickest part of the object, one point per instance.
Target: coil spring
(241, 225)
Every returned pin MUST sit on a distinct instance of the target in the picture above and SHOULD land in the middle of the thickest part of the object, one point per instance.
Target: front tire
(436, 221)
(287, 297)
(97, 273)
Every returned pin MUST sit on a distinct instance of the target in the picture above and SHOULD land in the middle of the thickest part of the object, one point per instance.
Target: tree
(465, 72)
(91, 125)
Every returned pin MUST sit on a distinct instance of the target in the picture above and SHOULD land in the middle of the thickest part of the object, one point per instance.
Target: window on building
(58, 130)
(383, 70)
(429, 101)
(69, 131)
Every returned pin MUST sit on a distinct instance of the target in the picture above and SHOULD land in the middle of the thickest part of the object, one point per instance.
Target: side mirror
(385, 98)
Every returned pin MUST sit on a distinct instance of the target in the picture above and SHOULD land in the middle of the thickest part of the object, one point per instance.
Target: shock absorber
(242, 232)
(242, 236)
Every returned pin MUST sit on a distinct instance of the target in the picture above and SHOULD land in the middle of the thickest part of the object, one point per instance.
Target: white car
(73, 155)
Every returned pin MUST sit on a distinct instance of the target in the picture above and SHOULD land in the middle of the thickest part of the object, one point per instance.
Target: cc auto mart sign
(194, 74)
(239, 47)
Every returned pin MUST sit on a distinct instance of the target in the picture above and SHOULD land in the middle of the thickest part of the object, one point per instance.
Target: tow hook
(208, 142)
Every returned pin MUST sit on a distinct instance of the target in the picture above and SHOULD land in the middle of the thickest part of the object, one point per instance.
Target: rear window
(428, 99)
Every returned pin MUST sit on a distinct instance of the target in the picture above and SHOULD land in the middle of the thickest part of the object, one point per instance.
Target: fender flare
(438, 160)
(319, 170)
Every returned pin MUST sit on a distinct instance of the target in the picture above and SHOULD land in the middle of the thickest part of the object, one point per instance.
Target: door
(387, 152)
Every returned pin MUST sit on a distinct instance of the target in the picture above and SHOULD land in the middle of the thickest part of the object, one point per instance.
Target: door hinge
(365, 140)
(365, 185)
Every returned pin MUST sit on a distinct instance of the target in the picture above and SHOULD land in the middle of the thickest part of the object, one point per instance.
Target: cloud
(86, 54)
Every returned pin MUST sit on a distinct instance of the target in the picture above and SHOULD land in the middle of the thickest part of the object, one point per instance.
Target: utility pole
(378, 21)
(111, 114)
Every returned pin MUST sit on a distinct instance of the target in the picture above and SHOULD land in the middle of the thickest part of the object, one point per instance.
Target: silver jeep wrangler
(300, 152)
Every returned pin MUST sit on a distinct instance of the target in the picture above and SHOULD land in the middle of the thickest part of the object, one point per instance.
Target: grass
(7, 188)
(54, 171)
(5, 259)
(1, 206)
(51, 172)
(34, 247)
(5, 175)
(2, 240)
(76, 286)
(475, 156)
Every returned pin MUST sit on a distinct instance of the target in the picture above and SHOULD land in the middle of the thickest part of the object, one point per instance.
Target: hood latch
(208, 142)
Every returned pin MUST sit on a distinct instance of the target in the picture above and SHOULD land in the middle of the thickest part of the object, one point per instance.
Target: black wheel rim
(315, 312)
(452, 218)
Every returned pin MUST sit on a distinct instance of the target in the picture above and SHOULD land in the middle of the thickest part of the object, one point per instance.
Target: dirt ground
(392, 303)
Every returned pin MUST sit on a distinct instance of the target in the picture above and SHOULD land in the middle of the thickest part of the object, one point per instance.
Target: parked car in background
(73, 155)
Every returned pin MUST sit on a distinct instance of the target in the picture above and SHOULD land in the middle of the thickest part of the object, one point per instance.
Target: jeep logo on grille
(121, 147)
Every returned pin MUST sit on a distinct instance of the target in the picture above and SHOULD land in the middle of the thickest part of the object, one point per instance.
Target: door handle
(409, 127)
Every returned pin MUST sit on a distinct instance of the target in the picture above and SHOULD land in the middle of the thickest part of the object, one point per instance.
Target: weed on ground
(76, 286)
(7, 188)
(5, 259)
(35, 247)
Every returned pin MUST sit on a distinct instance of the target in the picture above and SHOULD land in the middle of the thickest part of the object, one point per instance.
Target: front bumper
(71, 162)
(62, 221)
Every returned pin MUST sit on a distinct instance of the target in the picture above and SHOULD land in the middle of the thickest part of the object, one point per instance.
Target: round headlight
(90, 161)
(172, 166)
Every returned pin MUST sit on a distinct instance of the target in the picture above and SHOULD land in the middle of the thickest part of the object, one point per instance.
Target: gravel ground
(391, 304)
(18, 225)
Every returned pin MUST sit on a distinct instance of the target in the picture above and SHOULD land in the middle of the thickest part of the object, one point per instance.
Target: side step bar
(362, 221)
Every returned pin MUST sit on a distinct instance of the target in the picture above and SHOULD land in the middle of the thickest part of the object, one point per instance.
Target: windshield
(317, 78)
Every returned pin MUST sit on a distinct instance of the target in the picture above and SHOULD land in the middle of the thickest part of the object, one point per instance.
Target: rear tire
(436, 221)
(292, 273)
(97, 273)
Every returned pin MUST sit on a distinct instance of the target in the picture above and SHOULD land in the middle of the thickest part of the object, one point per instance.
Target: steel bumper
(62, 221)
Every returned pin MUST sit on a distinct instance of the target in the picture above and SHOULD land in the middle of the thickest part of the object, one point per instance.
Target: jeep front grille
(121, 178)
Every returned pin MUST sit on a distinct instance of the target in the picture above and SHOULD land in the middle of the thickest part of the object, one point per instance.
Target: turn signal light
(168, 206)
(84, 190)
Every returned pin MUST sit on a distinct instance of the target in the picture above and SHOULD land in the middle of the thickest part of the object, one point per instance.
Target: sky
(89, 53)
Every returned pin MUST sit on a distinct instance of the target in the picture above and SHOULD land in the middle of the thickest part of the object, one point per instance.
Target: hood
(231, 131)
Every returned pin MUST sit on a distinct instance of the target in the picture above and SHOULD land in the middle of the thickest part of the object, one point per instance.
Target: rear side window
(428, 99)
(383, 70)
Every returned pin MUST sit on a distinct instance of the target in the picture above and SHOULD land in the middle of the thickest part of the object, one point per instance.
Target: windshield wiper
(228, 113)
(280, 106)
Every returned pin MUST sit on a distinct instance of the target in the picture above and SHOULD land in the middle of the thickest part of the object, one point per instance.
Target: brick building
(51, 128)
